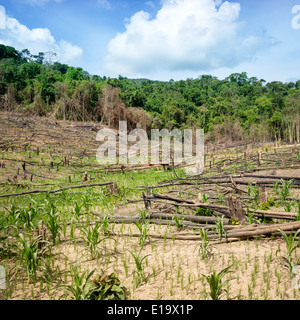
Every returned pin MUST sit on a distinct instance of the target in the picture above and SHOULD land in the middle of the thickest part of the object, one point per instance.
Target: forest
(236, 109)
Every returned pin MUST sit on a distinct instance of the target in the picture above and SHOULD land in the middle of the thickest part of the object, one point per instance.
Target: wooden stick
(55, 191)
(264, 230)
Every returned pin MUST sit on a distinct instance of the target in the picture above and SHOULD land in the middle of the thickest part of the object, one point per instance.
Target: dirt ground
(173, 269)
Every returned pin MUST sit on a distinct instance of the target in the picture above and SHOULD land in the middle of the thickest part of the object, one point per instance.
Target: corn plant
(291, 245)
(80, 287)
(77, 210)
(284, 190)
(143, 228)
(13, 212)
(203, 250)
(178, 222)
(220, 227)
(27, 215)
(143, 214)
(253, 192)
(92, 237)
(30, 255)
(215, 283)
(288, 207)
(204, 198)
(105, 225)
(53, 222)
(86, 199)
(139, 263)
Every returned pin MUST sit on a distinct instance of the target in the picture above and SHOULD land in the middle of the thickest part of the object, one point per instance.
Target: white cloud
(37, 40)
(105, 4)
(2, 18)
(196, 35)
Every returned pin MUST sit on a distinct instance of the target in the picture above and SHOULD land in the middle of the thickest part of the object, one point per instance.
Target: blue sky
(160, 39)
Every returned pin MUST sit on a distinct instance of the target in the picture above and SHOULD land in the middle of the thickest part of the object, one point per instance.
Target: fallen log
(166, 219)
(265, 213)
(264, 230)
(200, 219)
(165, 197)
(221, 208)
(57, 190)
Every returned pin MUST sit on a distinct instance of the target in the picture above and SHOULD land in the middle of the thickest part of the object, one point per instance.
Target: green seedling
(288, 207)
(143, 228)
(217, 287)
(77, 210)
(253, 192)
(92, 238)
(27, 215)
(139, 263)
(178, 222)
(53, 223)
(203, 250)
(31, 255)
(80, 287)
(220, 228)
(282, 188)
(105, 225)
(292, 243)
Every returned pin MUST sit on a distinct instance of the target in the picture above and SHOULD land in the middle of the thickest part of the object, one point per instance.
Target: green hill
(237, 108)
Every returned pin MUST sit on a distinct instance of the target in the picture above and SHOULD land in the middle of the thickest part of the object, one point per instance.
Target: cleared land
(160, 232)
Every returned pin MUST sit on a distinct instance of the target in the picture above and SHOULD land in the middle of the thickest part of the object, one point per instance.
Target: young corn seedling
(86, 199)
(288, 207)
(26, 215)
(216, 284)
(105, 225)
(292, 243)
(178, 222)
(79, 289)
(139, 263)
(143, 214)
(253, 192)
(77, 210)
(284, 190)
(204, 198)
(31, 255)
(220, 228)
(203, 250)
(53, 223)
(92, 238)
(143, 228)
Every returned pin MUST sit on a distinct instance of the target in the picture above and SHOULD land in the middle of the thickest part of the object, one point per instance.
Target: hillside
(237, 108)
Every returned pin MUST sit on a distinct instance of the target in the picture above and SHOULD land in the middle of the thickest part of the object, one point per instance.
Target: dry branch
(264, 230)
(57, 190)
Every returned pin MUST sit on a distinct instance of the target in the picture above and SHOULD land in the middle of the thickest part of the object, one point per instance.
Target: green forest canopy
(237, 108)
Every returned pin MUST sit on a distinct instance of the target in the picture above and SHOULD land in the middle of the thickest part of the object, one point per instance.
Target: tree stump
(236, 209)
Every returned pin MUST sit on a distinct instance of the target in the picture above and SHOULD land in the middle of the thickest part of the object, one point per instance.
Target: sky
(161, 39)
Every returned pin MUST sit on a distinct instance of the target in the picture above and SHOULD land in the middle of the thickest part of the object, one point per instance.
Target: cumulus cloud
(196, 35)
(37, 40)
